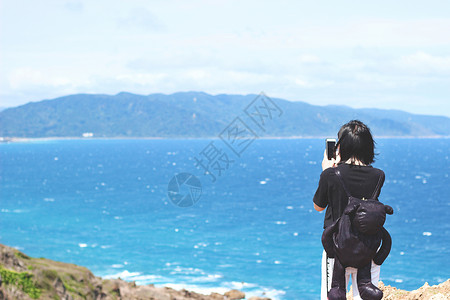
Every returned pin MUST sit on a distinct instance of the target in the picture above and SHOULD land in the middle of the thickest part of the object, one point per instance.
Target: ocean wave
(16, 211)
(226, 266)
(255, 291)
(125, 275)
(147, 278)
(193, 283)
(117, 266)
(187, 271)
(207, 278)
(242, 285)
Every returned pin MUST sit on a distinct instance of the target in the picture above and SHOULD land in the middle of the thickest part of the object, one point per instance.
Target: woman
(354, 156)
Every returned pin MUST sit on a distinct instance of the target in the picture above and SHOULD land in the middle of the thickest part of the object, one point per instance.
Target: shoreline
(25, 277)
(43, 139)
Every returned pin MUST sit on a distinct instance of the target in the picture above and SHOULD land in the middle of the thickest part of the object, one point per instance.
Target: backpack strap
(339, 176)
(377, 188)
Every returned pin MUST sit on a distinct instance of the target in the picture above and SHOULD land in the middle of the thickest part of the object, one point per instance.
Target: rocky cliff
(24, 277)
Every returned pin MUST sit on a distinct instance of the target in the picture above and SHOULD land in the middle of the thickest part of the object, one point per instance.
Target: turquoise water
(103, 204)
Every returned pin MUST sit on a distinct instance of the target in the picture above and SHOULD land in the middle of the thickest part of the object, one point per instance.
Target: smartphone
(330, 145)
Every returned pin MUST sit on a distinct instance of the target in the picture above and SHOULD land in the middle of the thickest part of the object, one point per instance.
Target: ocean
(104, 204)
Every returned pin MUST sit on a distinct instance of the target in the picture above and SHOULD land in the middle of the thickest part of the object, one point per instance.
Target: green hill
(197, 114)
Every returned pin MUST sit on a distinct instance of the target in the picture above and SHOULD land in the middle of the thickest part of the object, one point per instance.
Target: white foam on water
(187, 271)
(207, 278)
(148, 279)
(16, 211)
(191, 283)
(126, 275)
(427, 233)
(242, 285)
(82, 245)
(201, 244)
(226, 266)
(254, 290)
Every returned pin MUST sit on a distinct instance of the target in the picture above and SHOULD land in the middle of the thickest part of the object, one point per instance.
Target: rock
(438, 297)
(58, 285)
(116, 288)
(259, 298)
(10, 258)
(426, 292)
(235, 294)
(217, 296)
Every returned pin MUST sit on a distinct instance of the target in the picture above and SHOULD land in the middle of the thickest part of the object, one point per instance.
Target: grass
(22, 280)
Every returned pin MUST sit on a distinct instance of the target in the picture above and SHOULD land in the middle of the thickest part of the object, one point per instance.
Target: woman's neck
(356, 162)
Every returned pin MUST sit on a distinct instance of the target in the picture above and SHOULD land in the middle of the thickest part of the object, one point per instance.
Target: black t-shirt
(361, 181)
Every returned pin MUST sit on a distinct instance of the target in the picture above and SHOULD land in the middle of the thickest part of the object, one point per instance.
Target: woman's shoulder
(373, 172)
(328, 172)
(378, 171)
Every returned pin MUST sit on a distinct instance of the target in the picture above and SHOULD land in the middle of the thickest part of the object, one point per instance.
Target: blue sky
(384, 54)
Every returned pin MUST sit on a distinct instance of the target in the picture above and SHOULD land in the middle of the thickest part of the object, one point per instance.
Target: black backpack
(356, 236)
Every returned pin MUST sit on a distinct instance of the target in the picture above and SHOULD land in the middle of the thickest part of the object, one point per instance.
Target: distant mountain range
(197, 114)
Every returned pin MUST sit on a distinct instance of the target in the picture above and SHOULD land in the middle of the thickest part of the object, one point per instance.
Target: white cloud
(424, 63)
(142, 78)
(26, 77)
(140, 18)
(75, 6)
(308, 58)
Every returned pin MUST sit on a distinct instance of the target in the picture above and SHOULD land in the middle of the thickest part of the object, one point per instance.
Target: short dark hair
(356, 142)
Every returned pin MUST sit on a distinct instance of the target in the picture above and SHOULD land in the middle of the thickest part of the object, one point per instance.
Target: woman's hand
(328, 163)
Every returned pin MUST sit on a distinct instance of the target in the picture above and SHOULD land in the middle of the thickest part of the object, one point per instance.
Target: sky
(383, 54)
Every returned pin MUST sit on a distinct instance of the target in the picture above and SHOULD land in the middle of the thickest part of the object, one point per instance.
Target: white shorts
(375, 271)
